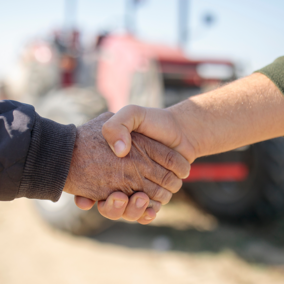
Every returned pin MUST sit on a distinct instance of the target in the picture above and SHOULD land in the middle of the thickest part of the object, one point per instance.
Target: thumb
(117, 129)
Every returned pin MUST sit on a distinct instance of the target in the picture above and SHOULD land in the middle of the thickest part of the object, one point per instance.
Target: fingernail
(118, 204)
(119, 147)
(148, 218)
(140, 202)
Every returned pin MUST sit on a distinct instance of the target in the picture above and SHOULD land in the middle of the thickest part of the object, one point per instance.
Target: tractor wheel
(259, 198)
(75, 106)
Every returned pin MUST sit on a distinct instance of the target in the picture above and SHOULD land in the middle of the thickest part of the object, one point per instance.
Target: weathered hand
(154, 123)
(95, 171)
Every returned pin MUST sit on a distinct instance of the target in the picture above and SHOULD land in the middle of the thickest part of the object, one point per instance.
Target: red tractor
(120, 70)
(73, 84)
(247, 183)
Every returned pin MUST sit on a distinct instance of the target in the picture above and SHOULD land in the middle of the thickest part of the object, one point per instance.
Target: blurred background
(75, 59)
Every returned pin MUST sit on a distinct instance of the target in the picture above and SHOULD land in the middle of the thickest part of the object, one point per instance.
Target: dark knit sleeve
(48, 159)
(275, 72)
(35, 153)
(16, 124)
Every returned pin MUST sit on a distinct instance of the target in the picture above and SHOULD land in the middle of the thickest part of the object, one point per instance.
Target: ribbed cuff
(48, 161)
(275, 72)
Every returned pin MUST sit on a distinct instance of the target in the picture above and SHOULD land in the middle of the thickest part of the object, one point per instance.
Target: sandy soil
(182, 246)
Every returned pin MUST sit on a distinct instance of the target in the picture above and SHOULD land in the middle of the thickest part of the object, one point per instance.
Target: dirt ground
(184, 245)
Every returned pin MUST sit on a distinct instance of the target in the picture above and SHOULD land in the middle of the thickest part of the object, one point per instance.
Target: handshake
(135, 160)
(128, 173)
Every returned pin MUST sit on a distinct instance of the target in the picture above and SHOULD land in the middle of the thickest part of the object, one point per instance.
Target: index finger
(165, 156)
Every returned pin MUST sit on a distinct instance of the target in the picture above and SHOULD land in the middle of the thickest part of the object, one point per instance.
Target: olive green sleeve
(275, 72)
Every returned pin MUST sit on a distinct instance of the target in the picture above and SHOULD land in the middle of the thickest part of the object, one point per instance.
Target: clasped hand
(149, 170)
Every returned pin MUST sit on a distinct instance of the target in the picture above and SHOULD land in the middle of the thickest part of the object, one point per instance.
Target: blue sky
(247, 31)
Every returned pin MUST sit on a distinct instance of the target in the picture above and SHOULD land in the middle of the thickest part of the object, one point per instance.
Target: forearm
(243, 112)
(48, 160)
(35, 153)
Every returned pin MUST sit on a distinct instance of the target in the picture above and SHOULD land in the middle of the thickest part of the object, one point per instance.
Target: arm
(243, 112)
(35, 153)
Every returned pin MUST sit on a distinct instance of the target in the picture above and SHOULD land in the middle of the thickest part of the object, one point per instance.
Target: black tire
(66, 216)
(73, 105)
(259, 198)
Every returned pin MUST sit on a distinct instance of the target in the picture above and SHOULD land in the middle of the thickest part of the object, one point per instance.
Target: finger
(114, 206)
(164, 178)
(84, 203)
(155, 205)
(136, 206)
(148, 216)
(166, 157)
(156, 192)
(117, 129)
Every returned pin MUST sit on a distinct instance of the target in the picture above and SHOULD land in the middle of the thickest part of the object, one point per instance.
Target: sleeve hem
(48, 160)
(275, 72)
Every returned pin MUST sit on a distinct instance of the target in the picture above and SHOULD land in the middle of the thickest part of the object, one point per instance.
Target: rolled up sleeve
(275, 72)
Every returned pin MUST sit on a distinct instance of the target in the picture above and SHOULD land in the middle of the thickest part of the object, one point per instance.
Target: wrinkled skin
(96, 172)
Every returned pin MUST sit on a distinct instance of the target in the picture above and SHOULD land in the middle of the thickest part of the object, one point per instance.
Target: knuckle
(171, 182)
(163, 196)
(132, 109)
(154, 192)
(168, 179)
(170, 160)
(155, 205)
